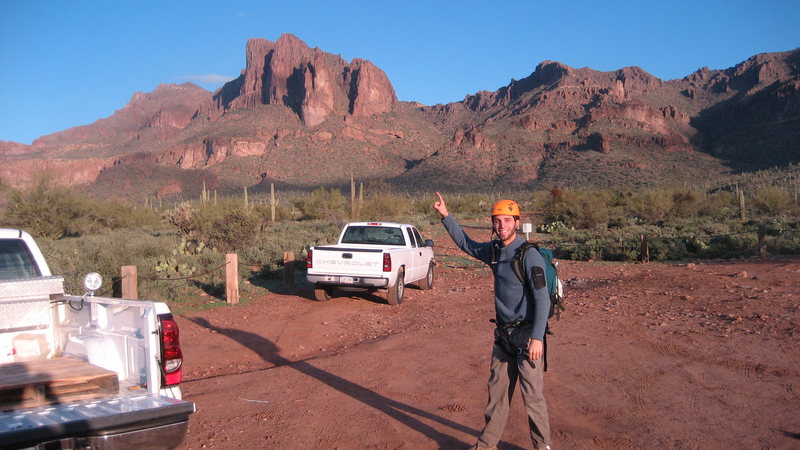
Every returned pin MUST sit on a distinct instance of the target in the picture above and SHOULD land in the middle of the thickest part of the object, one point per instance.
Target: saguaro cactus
(272, 202)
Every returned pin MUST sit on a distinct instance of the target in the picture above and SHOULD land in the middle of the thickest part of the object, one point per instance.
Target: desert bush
(228, 229)
(322, 204)
(651, 206)
(48, 211)
(685, 203)
(384, 206)
(718, 205)
(105, 253)
(772, 200)
(731, 246)
(267, 249)
(470, 205)
(51, 211)
(181, 217)
(577, 209)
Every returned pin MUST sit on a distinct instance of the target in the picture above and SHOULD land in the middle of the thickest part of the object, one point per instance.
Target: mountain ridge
(304, 117)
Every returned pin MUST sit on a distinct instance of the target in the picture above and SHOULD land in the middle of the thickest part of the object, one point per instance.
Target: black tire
(323, 293)
(395, 294)
(427, 282)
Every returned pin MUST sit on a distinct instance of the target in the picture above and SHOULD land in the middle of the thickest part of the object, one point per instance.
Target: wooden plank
(32, 383)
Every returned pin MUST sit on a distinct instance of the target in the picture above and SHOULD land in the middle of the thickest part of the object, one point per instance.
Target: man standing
(521, 316)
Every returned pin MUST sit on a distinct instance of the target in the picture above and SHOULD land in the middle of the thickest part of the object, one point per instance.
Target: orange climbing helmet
(508, 207)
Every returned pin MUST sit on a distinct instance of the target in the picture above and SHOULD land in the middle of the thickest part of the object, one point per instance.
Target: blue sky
(69, 63)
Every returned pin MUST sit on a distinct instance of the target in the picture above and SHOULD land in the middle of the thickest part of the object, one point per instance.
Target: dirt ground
(693, 355)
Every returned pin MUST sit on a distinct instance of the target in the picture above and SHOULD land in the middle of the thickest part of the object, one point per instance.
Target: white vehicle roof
(379, 224)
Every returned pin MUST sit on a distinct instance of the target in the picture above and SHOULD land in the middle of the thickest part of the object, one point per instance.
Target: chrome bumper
(347, 280)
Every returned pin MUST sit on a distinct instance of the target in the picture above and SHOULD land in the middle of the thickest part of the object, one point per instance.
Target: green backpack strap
(518, 263)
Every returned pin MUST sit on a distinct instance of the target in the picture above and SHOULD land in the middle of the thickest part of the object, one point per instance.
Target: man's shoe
(478, 447)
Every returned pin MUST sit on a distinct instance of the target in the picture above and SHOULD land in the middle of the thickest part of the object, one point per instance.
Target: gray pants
(506, 370)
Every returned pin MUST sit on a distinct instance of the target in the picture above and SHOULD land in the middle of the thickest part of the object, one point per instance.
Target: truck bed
(39, 382)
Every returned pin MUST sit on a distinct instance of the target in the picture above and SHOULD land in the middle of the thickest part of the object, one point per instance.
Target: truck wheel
(427, 282)
(323, 293)
(396, 291)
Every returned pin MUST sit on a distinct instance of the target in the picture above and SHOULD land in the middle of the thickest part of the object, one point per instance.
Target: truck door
(425, 254)
(412, 273)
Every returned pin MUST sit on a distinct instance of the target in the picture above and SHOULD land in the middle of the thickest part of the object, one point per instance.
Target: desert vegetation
(179, 248)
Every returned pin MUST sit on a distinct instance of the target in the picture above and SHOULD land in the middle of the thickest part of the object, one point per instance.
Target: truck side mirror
(428, 243)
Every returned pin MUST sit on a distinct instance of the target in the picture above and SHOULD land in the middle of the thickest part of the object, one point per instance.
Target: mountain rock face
(314, 84)
(303, 117)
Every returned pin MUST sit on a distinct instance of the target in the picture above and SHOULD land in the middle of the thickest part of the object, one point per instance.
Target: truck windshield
(16, 260)
(373, 235)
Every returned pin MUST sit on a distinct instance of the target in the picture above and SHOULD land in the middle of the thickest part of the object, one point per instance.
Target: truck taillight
(171, 354)
(387, 262)
(309, 264)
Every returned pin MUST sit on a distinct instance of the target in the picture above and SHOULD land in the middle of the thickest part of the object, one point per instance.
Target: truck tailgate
(347, 260)
(95, 417)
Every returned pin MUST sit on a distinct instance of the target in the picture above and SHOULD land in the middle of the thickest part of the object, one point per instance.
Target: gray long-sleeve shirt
(511, 300)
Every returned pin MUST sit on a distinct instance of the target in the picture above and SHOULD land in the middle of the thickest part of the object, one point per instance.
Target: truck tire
(323, 293)
(427, 282)
(396, 291)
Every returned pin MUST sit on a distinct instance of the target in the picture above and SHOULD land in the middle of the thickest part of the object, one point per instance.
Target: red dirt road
(698, 355)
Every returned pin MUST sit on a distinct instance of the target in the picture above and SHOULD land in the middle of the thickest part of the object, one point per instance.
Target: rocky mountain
(303, 117)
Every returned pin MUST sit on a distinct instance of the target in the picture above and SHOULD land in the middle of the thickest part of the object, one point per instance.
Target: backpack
(554, 285)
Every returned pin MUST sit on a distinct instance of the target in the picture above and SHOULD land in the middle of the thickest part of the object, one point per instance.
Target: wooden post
(762, 246)
(232, 278)
(288, 269)
(645, 250)
(128, 274)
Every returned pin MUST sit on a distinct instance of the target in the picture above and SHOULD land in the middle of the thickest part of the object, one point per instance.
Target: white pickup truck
(83, 371)
(371, 256)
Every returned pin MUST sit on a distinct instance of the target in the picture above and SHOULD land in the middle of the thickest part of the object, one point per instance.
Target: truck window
(16, 260)
(373, 235)
(420, 242)
(411, 237)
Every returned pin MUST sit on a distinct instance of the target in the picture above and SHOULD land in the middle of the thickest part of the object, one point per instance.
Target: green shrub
(651, 206)
(322, 204)
(385, 206)
(227, 229)
(772, 200)
(51, 211)
(718, 205)
(105, 253)
(266, 251)
(731, 246)
(47, 211)
(182, 217)
(577, 209)
(685, 203)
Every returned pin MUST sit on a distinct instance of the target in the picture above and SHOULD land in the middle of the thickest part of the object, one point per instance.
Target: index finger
(440, 197)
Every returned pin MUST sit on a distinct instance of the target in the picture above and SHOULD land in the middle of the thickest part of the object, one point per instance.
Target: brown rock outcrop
(314, 84)
(13, 148)
(211, 151)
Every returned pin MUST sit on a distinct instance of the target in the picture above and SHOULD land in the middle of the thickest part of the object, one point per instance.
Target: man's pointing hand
(440, 207)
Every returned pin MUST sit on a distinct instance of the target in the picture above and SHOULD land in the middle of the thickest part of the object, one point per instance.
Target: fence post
(232, 278)
(762, 246)
(288, 269)
(645, 255)
(128, 274)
